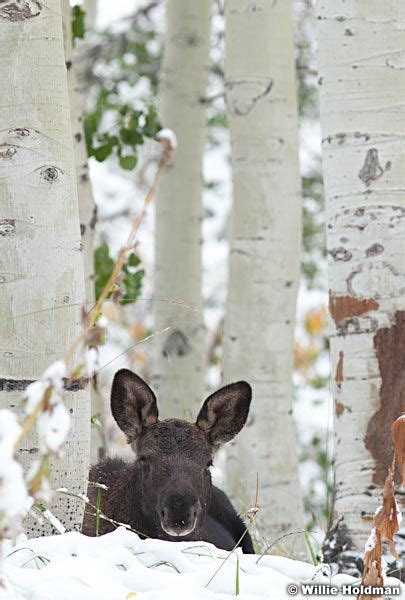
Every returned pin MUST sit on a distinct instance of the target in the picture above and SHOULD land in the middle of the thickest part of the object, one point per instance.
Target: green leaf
(152, 124)
(102, 152)
(128, 162)
(90, 128)
(95, 420)
(132, 137)
(133, 286)
(132, 281)
(133, 260)
(78, 29)
(103, 266)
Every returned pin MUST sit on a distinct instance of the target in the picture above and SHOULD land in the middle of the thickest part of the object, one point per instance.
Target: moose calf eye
(144, 461)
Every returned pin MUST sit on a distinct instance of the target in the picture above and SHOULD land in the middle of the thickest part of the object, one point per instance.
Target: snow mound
(120, 566)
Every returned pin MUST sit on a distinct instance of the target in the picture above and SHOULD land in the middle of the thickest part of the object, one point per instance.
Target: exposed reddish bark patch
(339, 369)
(343, 307)
(389, 344)
(339, 408)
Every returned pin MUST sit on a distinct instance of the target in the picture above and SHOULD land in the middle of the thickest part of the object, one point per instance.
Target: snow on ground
(120, 566)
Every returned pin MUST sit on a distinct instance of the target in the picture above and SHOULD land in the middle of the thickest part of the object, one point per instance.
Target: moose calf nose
(178, 514)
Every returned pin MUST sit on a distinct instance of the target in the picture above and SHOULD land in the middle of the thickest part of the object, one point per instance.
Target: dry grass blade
(93, 313)
(282, 537)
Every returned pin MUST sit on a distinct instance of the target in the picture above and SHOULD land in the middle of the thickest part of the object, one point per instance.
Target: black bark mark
(177, 344)
(19, 385)
(353, 325)
(20, 132)
(374, 250)
(340, 254)
(371, 170)
(7, 227)
(244, 106)
(49, 174)
(93, 220)
(20, 10)
(338, 548)
(7, 151)
(339, 370)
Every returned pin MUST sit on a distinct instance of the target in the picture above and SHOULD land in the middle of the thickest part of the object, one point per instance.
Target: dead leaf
(315, 321)
(386, 519)
(385, 524)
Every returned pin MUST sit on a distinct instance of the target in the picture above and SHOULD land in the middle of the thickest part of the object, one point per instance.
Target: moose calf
(167, 492)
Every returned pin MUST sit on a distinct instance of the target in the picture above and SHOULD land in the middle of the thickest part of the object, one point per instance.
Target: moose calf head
(173, 457)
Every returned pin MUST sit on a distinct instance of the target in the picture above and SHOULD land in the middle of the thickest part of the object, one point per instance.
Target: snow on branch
(167, 136)
(15, 501)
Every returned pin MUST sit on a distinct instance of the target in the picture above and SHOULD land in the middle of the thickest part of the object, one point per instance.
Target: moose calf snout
(178, 513)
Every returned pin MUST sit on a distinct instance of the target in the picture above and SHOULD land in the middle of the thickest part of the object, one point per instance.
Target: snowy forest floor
(120, 566)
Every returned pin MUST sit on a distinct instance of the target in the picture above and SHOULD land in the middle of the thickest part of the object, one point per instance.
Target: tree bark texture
(41, 272)
(178, 370)
(361, 50)
(264, 258)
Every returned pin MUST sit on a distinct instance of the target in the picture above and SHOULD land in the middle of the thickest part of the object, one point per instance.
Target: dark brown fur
(169, 487)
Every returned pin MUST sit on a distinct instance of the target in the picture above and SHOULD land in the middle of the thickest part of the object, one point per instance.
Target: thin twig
(94, 311)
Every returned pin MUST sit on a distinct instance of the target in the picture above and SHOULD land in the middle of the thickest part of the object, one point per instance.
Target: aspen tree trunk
(87, 207)
(178, 373)
(41, 271)
(264, 258)
(362, 85)
(90, 8)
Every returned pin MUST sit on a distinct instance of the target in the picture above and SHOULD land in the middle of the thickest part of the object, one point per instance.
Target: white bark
(362, 86)
(178, 373)
(42, 282)
(90, 7)
(264, 258)
(87, 206)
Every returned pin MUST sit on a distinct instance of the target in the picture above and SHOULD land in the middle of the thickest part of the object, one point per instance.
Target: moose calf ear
(133, 404)
(224, 413)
